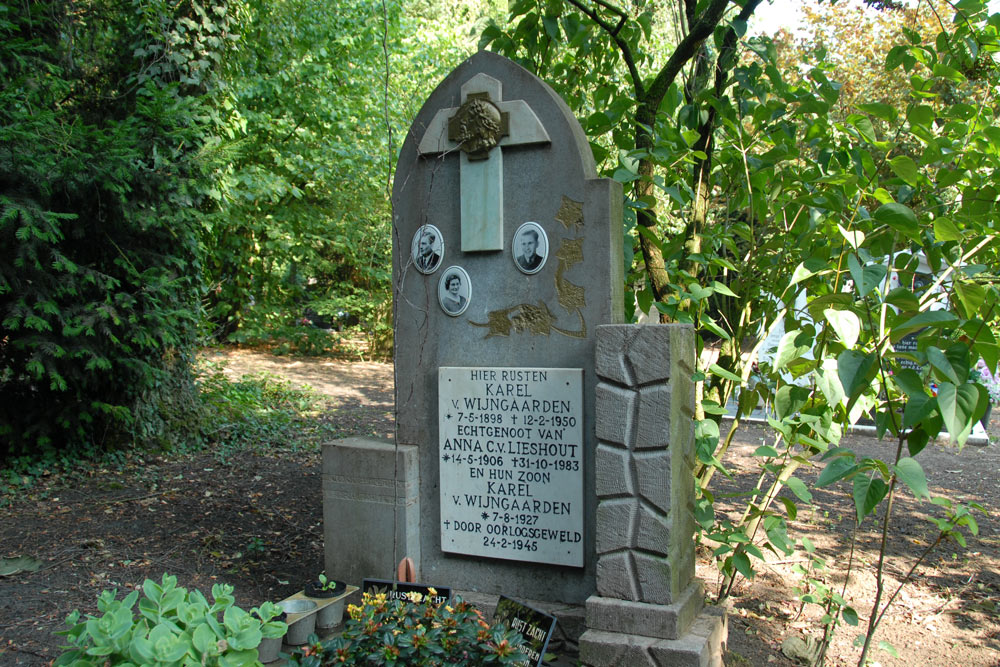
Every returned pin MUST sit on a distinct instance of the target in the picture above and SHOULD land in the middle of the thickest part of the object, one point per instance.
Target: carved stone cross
(482, 123)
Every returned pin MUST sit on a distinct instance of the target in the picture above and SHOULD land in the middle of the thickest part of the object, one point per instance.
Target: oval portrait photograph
(427, 249)
(454, 290)
(530, 247)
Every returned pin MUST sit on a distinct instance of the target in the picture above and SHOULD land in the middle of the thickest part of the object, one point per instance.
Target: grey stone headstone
(513, 312)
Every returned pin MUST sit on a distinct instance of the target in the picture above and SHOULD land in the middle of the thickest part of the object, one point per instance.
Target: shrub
(415, 632)
(174, 626)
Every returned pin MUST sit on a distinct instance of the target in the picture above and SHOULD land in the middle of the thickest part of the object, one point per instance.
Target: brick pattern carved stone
(645, 433)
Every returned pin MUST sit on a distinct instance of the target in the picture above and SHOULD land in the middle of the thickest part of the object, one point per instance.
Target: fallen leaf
(17, 564)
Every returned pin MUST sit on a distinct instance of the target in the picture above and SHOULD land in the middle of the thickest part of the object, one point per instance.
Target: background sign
(397, 590)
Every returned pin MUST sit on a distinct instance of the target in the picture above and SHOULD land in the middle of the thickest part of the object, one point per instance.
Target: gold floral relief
(538, 319)
(570, 252)
(570, 213)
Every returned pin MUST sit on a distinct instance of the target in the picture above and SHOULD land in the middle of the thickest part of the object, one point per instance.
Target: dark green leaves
(899, 217)
(960, 406)
(837, 469)
(910, 473)
(865, 278)
(856, 370)
(869, 490)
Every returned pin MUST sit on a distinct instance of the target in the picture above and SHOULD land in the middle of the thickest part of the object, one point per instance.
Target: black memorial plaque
(398, 590)
(535, 626)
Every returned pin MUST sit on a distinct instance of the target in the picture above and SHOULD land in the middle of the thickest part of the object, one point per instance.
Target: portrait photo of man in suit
(427, 249)
(530, 247)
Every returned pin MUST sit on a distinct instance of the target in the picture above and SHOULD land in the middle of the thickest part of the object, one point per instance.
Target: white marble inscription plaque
(511, 463)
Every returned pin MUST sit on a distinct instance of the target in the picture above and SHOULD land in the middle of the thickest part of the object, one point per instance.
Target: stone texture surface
(610, 363)
(653, 573)
(612, 472)
(608, 649)
(615, 408)
(653, 479)
(703, 646)
(648, 603)
(647, 352)
(618, 518)
(371, 508)
(646, 419)
(652, 534)
(663, 621)
(538, 181)
(616, 577)
(652, 423)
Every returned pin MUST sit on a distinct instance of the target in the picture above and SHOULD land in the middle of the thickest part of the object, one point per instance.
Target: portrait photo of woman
(454, 290)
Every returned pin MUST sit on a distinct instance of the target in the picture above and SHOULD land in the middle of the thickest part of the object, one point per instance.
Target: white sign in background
(510, 457)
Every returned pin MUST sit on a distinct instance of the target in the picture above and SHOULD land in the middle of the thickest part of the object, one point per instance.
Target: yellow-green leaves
(846, 324)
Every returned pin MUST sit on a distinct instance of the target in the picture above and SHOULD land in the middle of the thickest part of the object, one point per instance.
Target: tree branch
(622, 45)
(685, 51)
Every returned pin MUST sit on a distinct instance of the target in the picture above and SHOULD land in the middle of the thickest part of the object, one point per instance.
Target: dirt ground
(254, 520)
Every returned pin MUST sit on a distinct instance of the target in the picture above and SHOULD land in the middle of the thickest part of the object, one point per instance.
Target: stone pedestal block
(371, 508)
(660, 621)
(645, 490)
(648, 603)
(702, 646)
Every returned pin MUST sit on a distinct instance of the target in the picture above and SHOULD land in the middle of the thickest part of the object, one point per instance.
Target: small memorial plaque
(908, 343)
(535, 626)
(398, 590)
(511, 463)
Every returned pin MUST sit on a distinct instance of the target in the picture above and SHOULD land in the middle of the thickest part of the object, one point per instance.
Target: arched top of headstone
(489, 101)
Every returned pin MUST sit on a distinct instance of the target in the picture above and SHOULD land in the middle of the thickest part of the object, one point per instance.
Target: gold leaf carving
(525, 317)
(538, 319)
(570, 213)
(570, 251)
(571, 297)
(497, 322)
(534, 319)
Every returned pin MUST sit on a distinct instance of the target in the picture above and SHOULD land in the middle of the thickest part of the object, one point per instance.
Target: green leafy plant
(174, 627)
(99, 266)
(415, 632)
(325, 584)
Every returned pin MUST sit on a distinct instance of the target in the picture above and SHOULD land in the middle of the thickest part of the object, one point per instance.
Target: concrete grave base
(703, 645)
(662, 621)
(371, 508)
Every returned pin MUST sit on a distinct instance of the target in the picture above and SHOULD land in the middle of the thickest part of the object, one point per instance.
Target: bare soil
(253, 519)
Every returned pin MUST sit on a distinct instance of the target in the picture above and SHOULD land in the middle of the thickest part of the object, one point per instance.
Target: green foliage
(106, 155)
(760, 206)
(415, 632)
(322, 92)
(174, 627)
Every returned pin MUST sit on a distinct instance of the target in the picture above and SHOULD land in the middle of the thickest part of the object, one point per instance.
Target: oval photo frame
(427, 249)
(529, 248)
(454, 299)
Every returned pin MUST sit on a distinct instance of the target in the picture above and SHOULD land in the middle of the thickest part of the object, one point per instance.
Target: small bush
(174, 626)
(415, 632)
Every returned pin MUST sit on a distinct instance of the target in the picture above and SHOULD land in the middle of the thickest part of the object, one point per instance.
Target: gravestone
(495, 378)
(538, 428)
